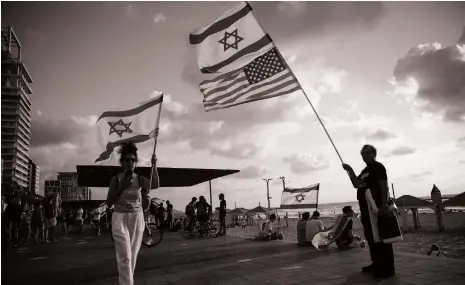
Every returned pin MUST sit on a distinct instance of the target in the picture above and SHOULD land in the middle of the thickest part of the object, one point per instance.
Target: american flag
(265, 77)
(153, 133)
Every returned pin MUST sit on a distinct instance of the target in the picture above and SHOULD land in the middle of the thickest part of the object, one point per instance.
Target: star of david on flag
(233, 40)
(137, 125)
(300, 198)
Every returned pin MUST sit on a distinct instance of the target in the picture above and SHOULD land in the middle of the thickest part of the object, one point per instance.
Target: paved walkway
(226, 260)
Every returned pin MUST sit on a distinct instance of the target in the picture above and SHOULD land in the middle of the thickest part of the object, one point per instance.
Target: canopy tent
(100, 176)
(408, 201)
(458, 200)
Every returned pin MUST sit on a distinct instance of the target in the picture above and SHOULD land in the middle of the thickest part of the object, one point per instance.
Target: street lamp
(284, 183)
(268, 191)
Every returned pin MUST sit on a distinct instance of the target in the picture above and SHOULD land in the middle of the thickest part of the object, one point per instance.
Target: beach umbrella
(458, 200)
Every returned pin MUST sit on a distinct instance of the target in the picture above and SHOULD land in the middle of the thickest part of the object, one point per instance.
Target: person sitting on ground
(264, 230)
(347, 238)
(308, 227)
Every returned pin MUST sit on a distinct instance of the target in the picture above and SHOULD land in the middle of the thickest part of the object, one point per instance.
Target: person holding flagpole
(126, 193)
(372, 186)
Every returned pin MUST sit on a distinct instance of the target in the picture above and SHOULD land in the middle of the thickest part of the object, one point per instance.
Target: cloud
(380, 135)
(131, 11)
(461, 40)
(305, 164)
(461, 142)
(250, 172)
(39, 113)
(403, 150)
(159, 18)
(46, 132)
(434, 78)
(420, 175)
(298, 19)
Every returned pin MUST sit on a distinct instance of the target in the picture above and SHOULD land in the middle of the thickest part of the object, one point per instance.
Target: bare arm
(353, 179)
(384, 191)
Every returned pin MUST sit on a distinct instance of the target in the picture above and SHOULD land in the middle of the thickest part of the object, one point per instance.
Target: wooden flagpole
(300, 85)
(157, 124)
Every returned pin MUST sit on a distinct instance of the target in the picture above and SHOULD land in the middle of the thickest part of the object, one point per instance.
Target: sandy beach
(415, 241)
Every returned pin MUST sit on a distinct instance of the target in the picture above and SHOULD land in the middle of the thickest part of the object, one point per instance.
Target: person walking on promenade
(50, 222)
(80, 219)
(374, 178)
(125, 193)
(169, 215)
(222, 210)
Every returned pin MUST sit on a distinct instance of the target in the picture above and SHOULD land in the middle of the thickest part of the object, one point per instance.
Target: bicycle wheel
(185, 230)
(213, 228)
(153, 235)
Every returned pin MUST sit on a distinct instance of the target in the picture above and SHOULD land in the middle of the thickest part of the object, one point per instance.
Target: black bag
(388, 226)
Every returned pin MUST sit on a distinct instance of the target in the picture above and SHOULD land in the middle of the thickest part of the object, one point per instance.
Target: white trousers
(127, 229)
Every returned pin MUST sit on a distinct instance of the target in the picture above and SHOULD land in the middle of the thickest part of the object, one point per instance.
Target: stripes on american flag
(265, 77)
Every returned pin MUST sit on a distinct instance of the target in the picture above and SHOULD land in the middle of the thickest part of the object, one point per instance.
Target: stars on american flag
(264, 67)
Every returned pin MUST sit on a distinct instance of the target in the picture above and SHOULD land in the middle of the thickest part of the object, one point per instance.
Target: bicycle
(211, 228)
(152, 232)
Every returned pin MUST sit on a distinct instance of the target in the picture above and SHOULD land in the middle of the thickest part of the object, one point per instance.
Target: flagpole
(155, 139)
(300, 85)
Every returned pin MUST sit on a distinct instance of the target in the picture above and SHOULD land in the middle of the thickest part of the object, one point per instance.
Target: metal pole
(284, 183)
(235, 207)
(393, 193)
(303, 91)
(268, 194)
(211, 203)
(157, 124)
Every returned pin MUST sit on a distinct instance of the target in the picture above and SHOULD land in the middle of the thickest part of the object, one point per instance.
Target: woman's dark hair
(370, 147)
(306, 216)
(127, 148)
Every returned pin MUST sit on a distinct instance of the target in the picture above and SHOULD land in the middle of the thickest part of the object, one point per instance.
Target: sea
(332, 209)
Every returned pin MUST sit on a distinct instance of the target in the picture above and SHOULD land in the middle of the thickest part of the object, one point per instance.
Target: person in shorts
(50, 221)
(80, 219)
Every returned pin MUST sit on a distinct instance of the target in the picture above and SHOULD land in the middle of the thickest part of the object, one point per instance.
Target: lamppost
(284, 183)
(268, 191)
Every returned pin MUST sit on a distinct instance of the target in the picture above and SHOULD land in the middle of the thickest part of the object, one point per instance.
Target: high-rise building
(70, 190)
(52, 187)
(34, 175)
(16, 110)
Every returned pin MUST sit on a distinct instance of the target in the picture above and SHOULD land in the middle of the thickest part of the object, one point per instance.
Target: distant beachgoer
(169, 215)
(80, 219)
(243, 224)
(264, 230)
(190, 213)
(126, 192)
(50, 222)
(203, 212)
(222, 210)
(374, 178)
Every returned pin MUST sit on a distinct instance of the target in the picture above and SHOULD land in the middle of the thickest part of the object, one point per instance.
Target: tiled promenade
(225, 260)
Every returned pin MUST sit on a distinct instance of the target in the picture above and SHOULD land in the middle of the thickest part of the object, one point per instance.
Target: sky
(390, 74)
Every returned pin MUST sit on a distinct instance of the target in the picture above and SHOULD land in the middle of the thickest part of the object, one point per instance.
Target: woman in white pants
(126, 192)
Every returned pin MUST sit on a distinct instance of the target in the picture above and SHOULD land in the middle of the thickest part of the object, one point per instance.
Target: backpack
(145, 198)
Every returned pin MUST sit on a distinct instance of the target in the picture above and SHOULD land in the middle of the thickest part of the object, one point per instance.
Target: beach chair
(323, 240)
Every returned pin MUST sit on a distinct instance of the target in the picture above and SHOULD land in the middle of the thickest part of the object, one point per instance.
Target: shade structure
(458, 200)
(100, 176)
(237, 211)
(408, 201)
(257, 210)
(86, 204)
